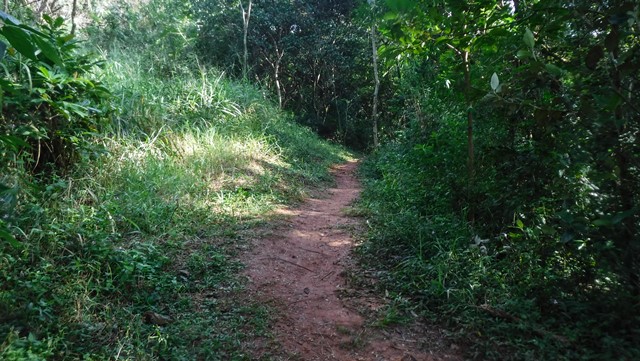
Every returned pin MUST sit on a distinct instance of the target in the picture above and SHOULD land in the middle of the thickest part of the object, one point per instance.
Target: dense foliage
(505, 194)
(122, 210)
(309, 53)
(503, 200)
(508, 203)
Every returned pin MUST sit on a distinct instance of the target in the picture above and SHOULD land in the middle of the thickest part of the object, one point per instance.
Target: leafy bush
(50, 100)
(51, 108)
(529, 241)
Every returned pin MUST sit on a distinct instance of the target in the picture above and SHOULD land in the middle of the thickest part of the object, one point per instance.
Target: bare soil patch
(300, 270)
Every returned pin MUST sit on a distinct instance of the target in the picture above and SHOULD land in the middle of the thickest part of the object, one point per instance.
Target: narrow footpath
(299, 270)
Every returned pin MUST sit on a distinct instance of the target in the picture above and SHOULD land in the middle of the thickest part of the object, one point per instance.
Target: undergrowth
(494, 292)
(131, 255)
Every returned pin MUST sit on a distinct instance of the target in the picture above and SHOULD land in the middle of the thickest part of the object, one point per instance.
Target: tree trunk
(74, 8)
(467, 95)
(246, 15)
(337, 105)
(279, 54)
(374, 51)
(471, 168)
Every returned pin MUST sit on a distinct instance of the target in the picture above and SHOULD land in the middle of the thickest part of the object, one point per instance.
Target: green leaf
(13, 142)
(65, 39)
(7, 236)
(47, 18)
(3, 49)
(547, 229)
(20, 40)
(515, 235)
(58, 23)
(32, 30)
(523, 54)
(613, 219)
(519, 224)
(529, 38)
(8, 18)
(76, 109)
(554, 70)
(495, 82)
(602, 222)
(390, 16)
(48, 49)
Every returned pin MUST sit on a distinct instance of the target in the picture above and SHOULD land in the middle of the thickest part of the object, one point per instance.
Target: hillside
(143, 224)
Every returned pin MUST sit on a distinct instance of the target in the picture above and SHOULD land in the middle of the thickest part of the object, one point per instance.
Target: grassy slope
(153, 227)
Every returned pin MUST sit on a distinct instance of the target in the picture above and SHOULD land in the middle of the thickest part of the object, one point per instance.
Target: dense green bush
(51, 101)
(507, 206)
(52, 107)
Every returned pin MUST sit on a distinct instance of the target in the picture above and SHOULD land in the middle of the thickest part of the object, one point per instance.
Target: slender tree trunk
(74, 8)
(467, 95)
(337, 105)
(316, 84)
(279, 54)
(6, 6)
(246, 15)
(471, 170)
(374, 51)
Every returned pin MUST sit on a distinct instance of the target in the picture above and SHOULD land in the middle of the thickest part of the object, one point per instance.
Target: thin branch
(289, 262)
(310, 250)
(327, 275)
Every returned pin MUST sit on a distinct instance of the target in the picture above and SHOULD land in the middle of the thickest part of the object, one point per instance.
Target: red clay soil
(300, 271)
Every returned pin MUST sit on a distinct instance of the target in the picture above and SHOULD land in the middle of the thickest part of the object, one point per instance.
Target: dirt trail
(299, 270)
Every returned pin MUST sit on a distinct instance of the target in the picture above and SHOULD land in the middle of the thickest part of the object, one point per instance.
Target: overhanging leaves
(21, 40)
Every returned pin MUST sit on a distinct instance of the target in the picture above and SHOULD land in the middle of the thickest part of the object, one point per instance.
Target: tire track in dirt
(299, 270)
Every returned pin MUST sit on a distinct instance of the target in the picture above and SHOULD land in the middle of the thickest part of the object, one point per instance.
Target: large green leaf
(529, 39)
(21, 40)
(554, 70)
(13, 142)
(495, 81)
(8, 18)
(522, 54)
(48, 49)
(7, 236)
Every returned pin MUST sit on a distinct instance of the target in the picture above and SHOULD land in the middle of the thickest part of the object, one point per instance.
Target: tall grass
(191, 164)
